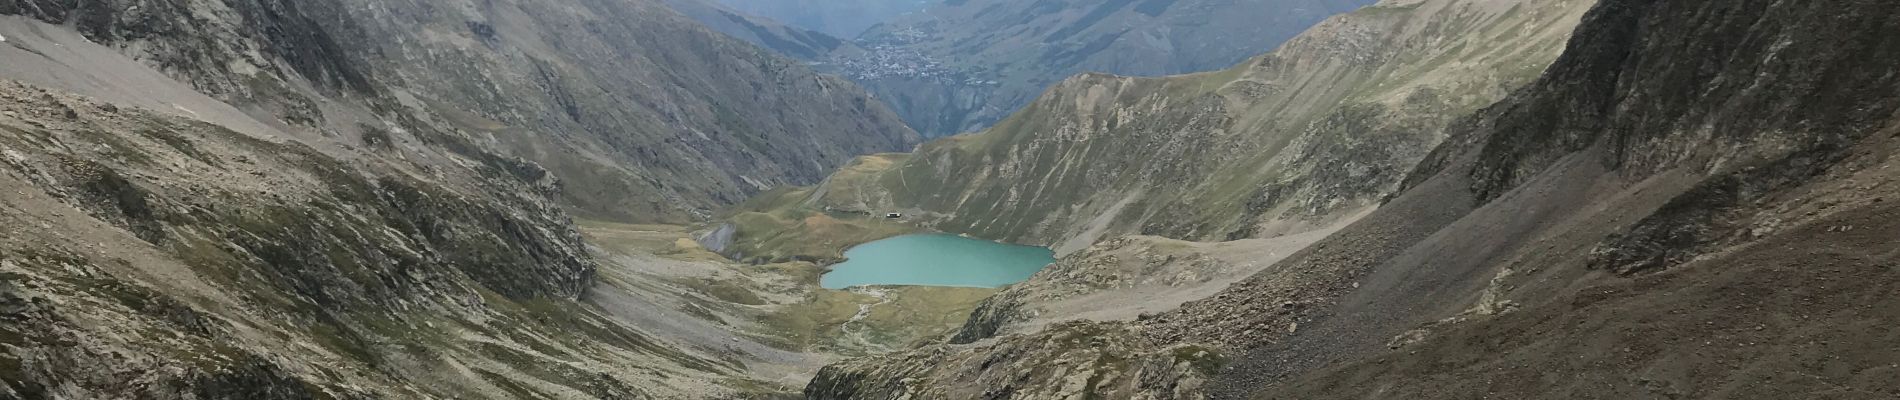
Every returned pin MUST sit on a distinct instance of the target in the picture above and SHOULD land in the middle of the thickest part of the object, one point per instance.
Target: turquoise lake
(936, 260)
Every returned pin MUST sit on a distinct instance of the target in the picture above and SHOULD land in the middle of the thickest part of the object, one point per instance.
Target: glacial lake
(936, 260)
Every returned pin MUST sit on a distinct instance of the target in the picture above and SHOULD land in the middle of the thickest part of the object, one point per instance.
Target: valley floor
(771, 317)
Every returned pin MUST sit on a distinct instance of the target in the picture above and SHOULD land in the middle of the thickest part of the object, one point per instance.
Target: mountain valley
(639, 199)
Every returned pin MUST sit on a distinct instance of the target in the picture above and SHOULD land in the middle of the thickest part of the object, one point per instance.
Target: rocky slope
(1732, 158)
(152, 256)
(1690, 203)
(1283, 143)
(346, 199)
(959, 66)
(1126, 278)
(644, 114)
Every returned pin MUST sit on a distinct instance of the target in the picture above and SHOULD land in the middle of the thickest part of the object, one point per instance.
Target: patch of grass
(727, 291)
(1106, 367)
(11, 372)
(912, 315)
(332, 335)
(514, 389)
(1204, 360)
(801, 234)
(806, 325)
(569, 316)
(753, 389)
(800, 271)
(916, 314)
(818, 224)
(670, 241)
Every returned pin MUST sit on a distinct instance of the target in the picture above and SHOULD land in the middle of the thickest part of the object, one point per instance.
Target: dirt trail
(864, 311)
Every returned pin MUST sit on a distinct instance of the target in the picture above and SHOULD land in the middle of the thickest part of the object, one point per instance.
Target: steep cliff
(960, 66)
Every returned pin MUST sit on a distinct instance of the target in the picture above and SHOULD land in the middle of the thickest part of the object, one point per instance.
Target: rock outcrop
(1074, 360)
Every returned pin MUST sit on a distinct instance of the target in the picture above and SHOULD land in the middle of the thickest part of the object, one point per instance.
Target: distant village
(893, 56)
